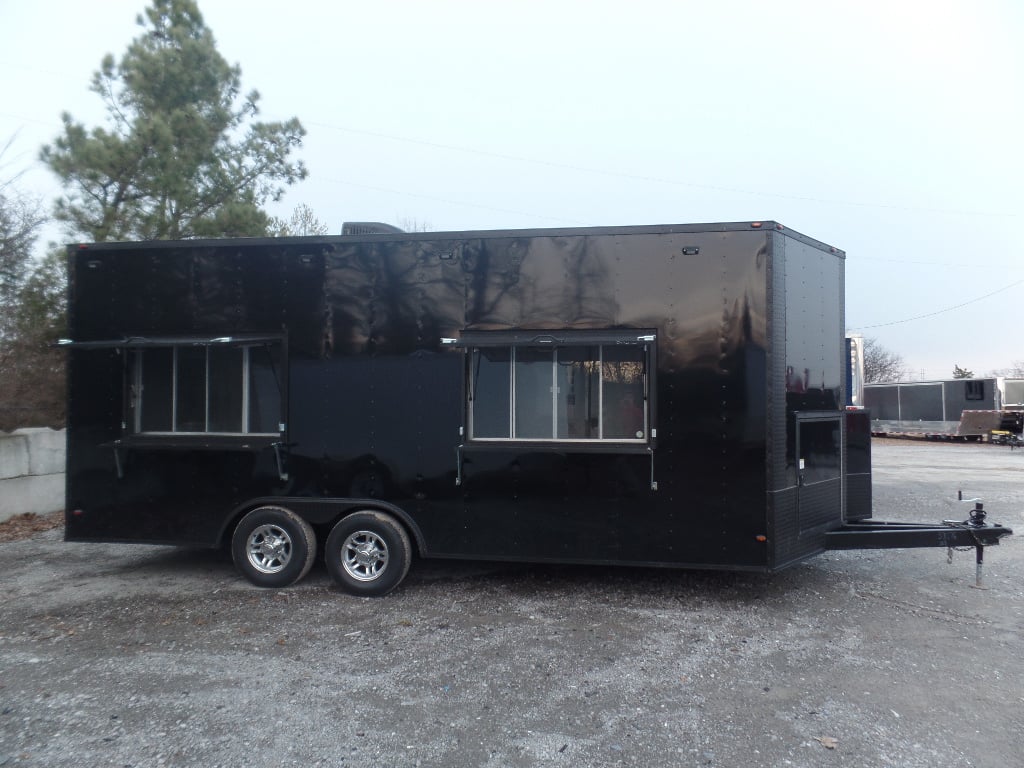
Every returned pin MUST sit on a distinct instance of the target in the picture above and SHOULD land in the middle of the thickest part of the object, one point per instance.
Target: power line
(955, 265)
(449, 201)
(642, 177)
(947, 309)
(605, 172)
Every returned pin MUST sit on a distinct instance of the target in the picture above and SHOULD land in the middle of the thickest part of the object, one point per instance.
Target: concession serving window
(559, 386)
(200, 386)
(207, 387)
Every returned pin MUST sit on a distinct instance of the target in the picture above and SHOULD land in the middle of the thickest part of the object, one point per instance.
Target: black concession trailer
(653, 395)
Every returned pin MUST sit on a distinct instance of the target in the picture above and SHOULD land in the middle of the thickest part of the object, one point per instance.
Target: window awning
(541, 338)
(136, 342)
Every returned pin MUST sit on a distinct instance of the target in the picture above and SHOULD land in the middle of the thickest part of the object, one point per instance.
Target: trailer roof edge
(640, 229)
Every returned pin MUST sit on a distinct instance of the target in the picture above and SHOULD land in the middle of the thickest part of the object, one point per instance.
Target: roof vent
(368, 228)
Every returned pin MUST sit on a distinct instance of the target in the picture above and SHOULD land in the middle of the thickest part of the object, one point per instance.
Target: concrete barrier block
(46, 449)
(40, 495)
(13, 455)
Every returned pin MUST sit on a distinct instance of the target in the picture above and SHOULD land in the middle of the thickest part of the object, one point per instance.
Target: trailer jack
(975, 520)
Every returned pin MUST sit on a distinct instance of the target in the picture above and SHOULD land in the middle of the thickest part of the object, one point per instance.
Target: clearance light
(755, 225)
(761, 538)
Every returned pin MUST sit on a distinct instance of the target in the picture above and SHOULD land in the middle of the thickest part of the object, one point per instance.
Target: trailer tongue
(972, 532)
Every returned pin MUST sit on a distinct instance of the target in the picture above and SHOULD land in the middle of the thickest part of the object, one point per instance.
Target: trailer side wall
(342, 340)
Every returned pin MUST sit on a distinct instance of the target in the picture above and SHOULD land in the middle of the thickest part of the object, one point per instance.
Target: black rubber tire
(368, 553)
(273, 547)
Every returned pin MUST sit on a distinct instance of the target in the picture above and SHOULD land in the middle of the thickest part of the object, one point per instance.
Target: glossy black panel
(815, 371)
(858, 465)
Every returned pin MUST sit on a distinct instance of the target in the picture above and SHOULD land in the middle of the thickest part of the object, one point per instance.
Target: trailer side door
(819, 446)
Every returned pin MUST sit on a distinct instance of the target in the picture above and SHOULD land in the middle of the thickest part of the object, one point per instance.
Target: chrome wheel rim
(269, 549)
(364, 555)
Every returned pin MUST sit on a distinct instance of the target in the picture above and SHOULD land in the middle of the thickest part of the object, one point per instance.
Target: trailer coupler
(951, 534)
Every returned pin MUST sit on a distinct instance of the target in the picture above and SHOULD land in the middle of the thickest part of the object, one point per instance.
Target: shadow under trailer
(652, 395)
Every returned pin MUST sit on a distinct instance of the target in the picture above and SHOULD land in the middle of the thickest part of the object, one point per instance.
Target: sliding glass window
(207, 389)
(558, 390)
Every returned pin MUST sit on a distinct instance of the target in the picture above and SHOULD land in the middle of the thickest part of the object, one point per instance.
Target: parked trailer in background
(658, 396)
(1013, 394)
(967, 408)
(854, 371)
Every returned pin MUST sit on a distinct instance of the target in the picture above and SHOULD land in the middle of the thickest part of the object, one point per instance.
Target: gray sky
(888, 128)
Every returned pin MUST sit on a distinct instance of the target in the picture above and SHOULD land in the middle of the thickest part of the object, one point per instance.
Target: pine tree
(182, 154)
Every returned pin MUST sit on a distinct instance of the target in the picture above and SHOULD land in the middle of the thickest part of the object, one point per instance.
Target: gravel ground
(117, 655)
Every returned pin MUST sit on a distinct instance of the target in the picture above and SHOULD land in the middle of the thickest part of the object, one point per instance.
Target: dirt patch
(26, 525)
